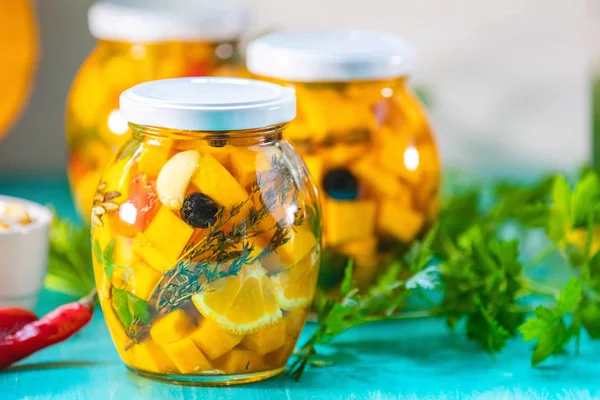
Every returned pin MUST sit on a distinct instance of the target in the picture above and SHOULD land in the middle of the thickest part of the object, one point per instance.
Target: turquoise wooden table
(396, 360)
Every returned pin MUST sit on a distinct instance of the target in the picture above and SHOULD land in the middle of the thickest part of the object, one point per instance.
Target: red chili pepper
(13, 319)
(54, 327)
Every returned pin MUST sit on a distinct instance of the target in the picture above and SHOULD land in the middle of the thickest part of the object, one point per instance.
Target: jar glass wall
(124, 57)
(365, 138)
(207, 247)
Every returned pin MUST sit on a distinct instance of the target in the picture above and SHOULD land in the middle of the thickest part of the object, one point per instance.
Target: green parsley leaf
(139, 308)
(347, 284)
(129, 308)
(97, 251)
(590, 317)
(550, 343)
(69, 259)
(536, 327)
(108, 258)
(584, 198)
(570, 296)
(120, 303)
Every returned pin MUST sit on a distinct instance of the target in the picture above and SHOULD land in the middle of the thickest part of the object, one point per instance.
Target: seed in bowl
(13, 215)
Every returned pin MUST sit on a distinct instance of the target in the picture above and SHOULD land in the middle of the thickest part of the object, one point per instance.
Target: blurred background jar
(365, 139)
(139, 41)
(19, 49)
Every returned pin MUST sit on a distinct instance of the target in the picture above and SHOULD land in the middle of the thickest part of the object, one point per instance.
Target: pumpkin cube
(187, 357)
(346, 221)
(398, 155)
(343, 155)
(382, 182)
(400, 222)
(153, 257)
(115, 328)
(117, 178)
(172, 327)
(148, 356)
(360, 247)
(239, 361)
(266, 340)
(245, 164)
(168, 234)
(213, 340)
(221, 154)
(123, 252)
(152, 158)
(301, 242)
(215, 181)
(294, 321)
(142, 279)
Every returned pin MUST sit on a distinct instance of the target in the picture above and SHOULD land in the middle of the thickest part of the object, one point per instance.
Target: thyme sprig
(227, 245)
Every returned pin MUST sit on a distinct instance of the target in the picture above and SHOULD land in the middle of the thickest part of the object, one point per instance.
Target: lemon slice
(295, 287)
(240, 304)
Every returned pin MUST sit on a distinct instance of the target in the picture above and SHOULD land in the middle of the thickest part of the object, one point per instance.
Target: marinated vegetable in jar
(138, 43)
(365, 139)
(206, 232)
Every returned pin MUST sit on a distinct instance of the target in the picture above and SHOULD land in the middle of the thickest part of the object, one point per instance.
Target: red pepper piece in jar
(143, 199)
(54, 327)
(12, 319)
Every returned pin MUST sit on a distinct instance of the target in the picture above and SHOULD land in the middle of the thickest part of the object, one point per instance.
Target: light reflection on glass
(411, 158)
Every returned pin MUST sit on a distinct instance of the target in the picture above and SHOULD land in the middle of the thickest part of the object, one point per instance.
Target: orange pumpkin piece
(346, 221)
(266, 340)
(239, 361)
(213, 340)
(148, 356)
(215, 181)
(172, 327)
(245, 164)
(398, 221)
(168, 235)
(187, 357)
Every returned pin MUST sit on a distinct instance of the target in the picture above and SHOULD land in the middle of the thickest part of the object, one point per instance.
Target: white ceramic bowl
(24, 257)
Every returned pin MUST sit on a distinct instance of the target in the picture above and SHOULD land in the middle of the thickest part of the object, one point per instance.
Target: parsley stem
(539, 257)
(539, 288)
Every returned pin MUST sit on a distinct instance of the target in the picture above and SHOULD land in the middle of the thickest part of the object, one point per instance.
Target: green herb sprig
(482, 274)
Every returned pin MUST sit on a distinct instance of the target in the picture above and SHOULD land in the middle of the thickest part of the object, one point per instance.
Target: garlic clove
(174, 178)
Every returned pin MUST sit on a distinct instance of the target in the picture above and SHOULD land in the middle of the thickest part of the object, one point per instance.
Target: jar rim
(330, 55)
(208, 104)
(142, 22)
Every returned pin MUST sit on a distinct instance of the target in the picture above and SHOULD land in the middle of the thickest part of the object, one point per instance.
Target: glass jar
(138, 44)
(206, 232)
(365, 138)
(18, 45)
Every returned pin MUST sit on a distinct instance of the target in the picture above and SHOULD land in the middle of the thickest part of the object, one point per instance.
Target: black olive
(199, 210)
(217, 140)
(340, 184)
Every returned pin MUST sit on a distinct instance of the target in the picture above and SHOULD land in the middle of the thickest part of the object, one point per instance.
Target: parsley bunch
(473, 256)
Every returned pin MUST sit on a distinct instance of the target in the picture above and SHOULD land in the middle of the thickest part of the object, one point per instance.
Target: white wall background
(509, 78)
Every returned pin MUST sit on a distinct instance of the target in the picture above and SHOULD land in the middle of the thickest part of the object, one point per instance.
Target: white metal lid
(208, 104)
(330, 55)
(146, 21)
